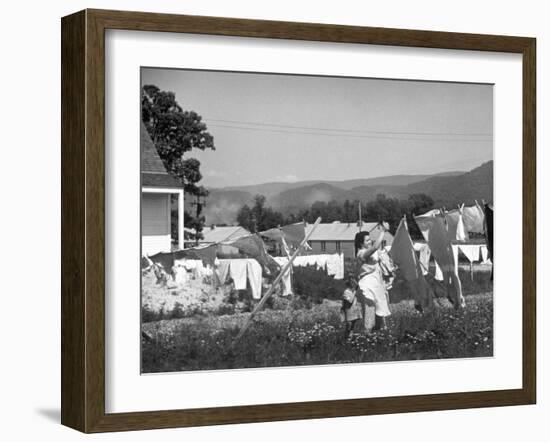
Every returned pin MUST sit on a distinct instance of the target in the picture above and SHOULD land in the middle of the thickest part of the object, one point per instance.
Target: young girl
(351, 309)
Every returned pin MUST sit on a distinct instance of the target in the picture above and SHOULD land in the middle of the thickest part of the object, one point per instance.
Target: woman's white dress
(372, 284)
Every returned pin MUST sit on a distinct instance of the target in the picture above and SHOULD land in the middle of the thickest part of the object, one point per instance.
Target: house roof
(338, 231)
(225, 233)
(153, 172)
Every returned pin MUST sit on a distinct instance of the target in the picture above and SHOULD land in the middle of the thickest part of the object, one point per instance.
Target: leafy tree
(350, 211)
(259, 217)
(385, 209)
(420, 203)
(175, 132)
(245, 218)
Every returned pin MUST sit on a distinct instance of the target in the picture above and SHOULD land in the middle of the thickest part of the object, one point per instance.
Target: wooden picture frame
(83, 220)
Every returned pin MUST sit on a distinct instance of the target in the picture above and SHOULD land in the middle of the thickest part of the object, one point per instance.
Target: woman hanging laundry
(373, 294)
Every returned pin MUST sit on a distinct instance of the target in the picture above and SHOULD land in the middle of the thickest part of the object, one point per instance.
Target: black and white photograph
(300, 220)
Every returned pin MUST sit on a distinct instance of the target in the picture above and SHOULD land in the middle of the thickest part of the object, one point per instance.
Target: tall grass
(316, 336)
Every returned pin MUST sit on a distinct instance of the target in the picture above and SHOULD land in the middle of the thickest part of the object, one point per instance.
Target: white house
(156, 188)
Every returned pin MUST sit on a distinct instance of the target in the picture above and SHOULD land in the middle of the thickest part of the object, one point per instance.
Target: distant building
(216, 234)
(156, 188)
(338, 237)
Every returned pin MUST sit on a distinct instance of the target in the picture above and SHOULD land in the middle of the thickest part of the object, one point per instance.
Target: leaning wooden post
(275, 282)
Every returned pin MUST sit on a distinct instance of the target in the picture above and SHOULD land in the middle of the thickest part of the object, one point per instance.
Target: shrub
(313, 285)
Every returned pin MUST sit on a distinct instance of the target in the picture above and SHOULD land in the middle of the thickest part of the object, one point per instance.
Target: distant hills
(447, 189)
(269, 189)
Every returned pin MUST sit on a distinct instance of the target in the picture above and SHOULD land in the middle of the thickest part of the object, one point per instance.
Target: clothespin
(479, 206)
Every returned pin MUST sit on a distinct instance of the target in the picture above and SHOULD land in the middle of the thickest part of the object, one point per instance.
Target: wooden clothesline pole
(287, 253)
(274, 285)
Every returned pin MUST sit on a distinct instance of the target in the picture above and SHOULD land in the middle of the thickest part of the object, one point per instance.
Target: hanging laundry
(484, 254)
(438, 273)
(489, 230)
(165, 260)
(312, 260)
(454, 291)
(321, 261)
(385, 261)
(474, 219)
(461, 233)
(292, 234)
(455, 257)
(146, 263)
(254, 274)
(335, 266)
(195, 266)
(207, 254)
(180, 274)
(387, 267)
(274, 234)
(284, 246)
(424, 258)
(438, 240)
(287, 277)
(237, 271)
(433, 212)
(223, 270)
(341, 272)
(287, 283)
(402, 253)
(408, 267)
(455, 225)
(470, 251)
(281, 260)
(304, 261)
(252, 246)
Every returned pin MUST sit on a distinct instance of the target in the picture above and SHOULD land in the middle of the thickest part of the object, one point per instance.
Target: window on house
(323, 246)
(338, 246)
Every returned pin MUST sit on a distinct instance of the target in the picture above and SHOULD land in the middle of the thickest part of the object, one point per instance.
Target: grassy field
(314, 336)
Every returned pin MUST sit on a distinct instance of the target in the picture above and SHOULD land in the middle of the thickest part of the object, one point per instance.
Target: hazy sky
(272, 127)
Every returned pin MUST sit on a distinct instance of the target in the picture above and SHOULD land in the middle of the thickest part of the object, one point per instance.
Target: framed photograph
(267, 221)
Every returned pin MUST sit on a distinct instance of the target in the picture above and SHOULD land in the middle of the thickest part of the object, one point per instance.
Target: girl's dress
(353, 310)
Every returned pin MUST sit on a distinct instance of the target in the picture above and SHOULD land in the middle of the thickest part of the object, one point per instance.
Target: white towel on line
(471, 251)
(237, 271)
(254, 275)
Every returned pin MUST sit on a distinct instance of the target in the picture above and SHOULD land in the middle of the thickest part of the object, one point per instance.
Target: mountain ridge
(446, 189)
(273, 187)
